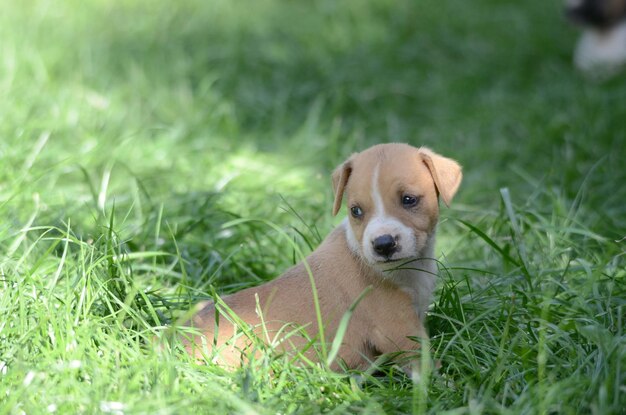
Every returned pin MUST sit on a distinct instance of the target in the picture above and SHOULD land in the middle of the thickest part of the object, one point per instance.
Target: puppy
(378, 263)
(601, 50)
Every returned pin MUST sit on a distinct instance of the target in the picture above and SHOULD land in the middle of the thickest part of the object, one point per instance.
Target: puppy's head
(391, 192)
(598, 14)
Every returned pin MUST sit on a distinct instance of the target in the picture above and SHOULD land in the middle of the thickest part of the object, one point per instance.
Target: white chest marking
(602, 52)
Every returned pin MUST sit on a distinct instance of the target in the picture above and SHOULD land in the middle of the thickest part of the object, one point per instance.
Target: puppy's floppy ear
(446, 173)
(340, 179)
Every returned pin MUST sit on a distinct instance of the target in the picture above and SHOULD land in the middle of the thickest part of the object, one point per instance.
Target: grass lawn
(133, 133)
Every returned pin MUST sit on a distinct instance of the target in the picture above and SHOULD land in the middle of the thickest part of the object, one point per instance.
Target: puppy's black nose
(385, 245)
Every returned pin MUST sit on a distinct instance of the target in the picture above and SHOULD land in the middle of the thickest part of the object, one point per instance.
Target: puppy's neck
(414, 277)
(417, 278)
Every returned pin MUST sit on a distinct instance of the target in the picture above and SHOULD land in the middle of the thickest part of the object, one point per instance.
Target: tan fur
(387, 315)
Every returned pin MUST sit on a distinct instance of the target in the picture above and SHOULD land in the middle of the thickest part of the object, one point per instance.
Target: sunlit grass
(138, 141)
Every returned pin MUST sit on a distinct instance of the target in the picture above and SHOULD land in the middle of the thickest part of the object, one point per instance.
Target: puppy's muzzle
(385, 245)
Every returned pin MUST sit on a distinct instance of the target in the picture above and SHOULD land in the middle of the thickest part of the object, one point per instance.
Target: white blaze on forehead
(380, 222)
(379, 206)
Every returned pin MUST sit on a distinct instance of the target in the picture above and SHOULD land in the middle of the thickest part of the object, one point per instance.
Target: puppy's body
(287, 303)
(387, 243)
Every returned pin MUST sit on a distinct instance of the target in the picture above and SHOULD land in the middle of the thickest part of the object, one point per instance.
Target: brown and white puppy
(386, 244)
(601, 50)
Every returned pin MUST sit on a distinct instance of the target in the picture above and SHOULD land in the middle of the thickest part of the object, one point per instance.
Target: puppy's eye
(409, 201)
(356, 212)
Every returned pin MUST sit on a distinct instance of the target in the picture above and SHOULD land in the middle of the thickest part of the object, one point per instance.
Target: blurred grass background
(135, 84)
(139, 128)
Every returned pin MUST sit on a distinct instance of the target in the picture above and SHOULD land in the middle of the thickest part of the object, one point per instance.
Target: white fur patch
(602, 51)
(353, 244)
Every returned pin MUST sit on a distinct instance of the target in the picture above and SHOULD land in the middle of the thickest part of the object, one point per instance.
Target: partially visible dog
(382, 254)
(601, 50)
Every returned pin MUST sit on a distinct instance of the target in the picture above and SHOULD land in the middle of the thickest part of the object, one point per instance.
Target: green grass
(132, 132)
